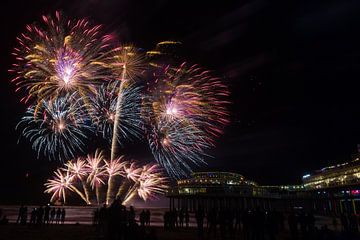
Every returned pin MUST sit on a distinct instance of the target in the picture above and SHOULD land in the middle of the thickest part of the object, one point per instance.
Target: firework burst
(60, 55)
(59, 185)
(151, 182)
(185, 109)
(109, 179)
(56, 128)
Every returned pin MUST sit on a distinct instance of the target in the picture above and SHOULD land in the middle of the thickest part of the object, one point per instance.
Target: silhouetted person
(20, 214)
(114, 219)
(147, 217)
(142, 218)
(47, 214)
(40, 215)
(63, 214)
(58, 216)
(24, 216)
(175, 218)
(52, 215)
(33, 216)
(199, 216)
(181, 217)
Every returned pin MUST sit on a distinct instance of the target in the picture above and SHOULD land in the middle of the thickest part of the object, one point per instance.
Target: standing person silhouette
(181, 218)
(33, 216)
(52, 215)
(20, 214)
(63, 213)
(58, 216)
(142, 218)
(40, 215)
(24, 216)
(147, 219)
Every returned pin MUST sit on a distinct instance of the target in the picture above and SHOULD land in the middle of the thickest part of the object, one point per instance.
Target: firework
(176, 145)
(60, 55)
(102, 109)
(151, 182)
(59, 185)
(79, 171)
(185, 109)
(127, 65)
(109, 179)
(56, 128)
(113, 168)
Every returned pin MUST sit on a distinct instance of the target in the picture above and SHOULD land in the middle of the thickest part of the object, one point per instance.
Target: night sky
(293, 70)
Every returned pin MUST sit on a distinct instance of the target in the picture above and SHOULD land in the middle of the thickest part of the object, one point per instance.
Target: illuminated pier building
(331, 190)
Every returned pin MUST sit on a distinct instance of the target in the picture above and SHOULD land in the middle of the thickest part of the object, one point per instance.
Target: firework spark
(60, 55)
(56, 128)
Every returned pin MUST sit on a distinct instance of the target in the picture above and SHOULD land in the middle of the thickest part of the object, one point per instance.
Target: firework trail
(127, 64)
(185, 109)
(60, 55)
(56, 128)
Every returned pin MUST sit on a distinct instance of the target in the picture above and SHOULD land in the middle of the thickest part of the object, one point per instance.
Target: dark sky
(293, 70)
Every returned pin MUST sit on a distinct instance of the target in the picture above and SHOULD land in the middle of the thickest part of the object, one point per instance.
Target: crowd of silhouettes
(41, 215)
(174, 219)
(258, 224)
(116, 222)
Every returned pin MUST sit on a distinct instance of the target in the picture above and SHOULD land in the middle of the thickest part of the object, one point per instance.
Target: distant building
(335, 189)
(345, 174)
(331, 190)
(228, 190)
